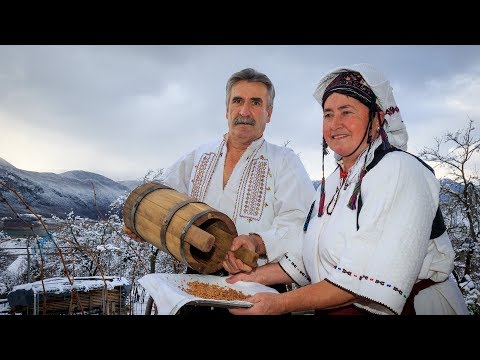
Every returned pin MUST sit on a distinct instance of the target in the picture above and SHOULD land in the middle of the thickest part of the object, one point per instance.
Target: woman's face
(345, 120)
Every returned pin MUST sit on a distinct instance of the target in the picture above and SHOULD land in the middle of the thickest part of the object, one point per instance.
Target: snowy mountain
(130, 184)
(5, 163)
(50, 194)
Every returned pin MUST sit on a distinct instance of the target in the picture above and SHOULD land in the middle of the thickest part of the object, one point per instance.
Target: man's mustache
(243, 120)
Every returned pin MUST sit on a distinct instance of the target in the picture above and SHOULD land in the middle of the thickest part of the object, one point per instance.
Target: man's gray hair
(251, 75)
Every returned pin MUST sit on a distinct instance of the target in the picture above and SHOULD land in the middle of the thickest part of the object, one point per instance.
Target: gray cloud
(122, 110)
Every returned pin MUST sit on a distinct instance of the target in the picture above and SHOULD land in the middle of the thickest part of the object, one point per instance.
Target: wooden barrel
(191, 231)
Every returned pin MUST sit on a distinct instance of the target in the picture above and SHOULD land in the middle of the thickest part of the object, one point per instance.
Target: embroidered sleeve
(294, 268)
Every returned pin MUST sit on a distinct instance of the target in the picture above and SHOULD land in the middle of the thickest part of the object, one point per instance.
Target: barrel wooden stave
(207, 239)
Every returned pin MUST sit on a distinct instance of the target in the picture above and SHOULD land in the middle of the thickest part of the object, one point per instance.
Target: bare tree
(460, 198)
(153, 175)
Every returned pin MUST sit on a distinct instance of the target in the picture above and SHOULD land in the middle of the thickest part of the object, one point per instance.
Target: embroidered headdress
(352, 84)
(376, 81)
(370, 87)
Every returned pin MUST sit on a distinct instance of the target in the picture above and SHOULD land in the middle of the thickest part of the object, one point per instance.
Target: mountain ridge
(46, 193)
(5, 163)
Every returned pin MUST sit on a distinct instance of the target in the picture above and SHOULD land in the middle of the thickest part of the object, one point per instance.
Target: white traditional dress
(391, 250)
(268, 193)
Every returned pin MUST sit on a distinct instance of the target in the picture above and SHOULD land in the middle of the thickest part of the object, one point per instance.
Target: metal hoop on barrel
(168, 218)
(139, 200)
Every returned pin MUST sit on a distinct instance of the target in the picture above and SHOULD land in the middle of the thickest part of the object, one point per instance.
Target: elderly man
(264, 188)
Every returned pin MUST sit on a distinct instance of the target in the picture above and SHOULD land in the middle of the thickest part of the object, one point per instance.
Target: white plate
(166, 290)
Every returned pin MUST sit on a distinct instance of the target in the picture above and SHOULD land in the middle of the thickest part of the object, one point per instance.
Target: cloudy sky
(123, 110)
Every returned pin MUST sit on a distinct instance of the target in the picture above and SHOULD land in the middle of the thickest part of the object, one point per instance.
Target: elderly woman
(374, 241)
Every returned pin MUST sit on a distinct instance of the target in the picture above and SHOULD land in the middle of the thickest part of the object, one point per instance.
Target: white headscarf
(394, 126)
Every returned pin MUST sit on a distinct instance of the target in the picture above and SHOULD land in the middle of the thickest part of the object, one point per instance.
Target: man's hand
(250, 242)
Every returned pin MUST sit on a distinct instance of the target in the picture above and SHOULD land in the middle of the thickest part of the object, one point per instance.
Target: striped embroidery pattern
(203, 173)
(247, 193)
(297, 268)
(373, 280)
(254, 197)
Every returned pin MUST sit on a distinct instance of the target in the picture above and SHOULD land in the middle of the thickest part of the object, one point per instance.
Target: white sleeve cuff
(274, 244)
(295, 269)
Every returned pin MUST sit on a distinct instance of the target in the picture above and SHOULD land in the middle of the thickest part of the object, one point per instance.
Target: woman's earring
(378, 129)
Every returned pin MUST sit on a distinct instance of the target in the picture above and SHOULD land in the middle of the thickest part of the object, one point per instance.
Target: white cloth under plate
(166, 291)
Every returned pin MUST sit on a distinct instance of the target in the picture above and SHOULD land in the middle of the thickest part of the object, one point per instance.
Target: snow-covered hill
(57, 194)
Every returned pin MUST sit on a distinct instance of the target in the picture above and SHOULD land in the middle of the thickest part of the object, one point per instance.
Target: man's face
(248, 112)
